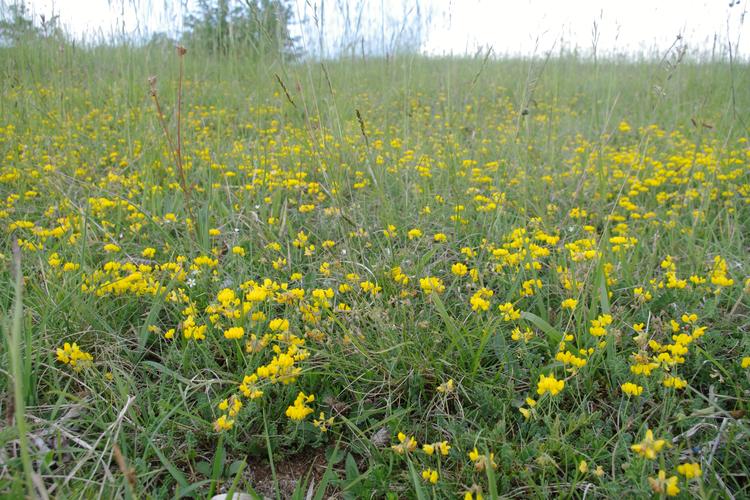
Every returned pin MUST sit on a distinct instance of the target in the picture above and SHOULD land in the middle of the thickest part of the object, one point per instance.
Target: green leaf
(454, 333)
(418, 489)
(491, 482)
(174, 471)
(552, 334)
(602, 288)
(203, 467)
(352, 471)
(236, 466)
(218, 465)
(189, 491)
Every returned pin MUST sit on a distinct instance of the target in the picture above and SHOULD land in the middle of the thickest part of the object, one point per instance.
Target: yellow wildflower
(549, 384)
(649, 447)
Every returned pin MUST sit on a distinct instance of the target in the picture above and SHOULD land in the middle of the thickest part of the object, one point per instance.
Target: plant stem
(14, 348)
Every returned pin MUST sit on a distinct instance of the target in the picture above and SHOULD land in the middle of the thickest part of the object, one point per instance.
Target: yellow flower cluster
(549, 384)
(481, 462)
(406, 444)
(72, 355)
(231, 407)
(600, 324)
(649, 447)
(299, 410)
(431, 284)
(480, 301)
(631, 389)
(510, 313)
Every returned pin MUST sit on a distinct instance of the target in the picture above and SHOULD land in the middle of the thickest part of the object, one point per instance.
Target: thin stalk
(14, 348)
(180, 53)
(176, 149)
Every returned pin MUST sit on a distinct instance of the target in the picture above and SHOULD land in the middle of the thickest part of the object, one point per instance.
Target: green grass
(518, 144)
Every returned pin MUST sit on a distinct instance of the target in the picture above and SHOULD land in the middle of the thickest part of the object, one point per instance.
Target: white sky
(455, 26)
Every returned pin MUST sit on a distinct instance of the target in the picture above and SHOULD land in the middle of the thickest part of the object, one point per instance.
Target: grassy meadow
(393, 277)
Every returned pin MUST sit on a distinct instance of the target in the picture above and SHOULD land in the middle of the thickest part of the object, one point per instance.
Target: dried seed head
(181, 50)
(152, 85)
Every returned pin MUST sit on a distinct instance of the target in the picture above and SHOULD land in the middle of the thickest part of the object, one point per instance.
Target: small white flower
(191, 282)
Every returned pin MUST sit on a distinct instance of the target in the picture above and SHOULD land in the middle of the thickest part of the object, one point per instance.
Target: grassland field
(399, 277)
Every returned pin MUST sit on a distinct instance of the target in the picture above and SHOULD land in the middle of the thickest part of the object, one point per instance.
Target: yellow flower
(398, 276)
(322, 423)
(72, 355)
(690, 470)
(480, 461)
(443, 447)
(299, 410)
(430, 475)
(431, 284)
(675, 382)
(406, 444)
(279, 325)
(414, 234)
(549, 384)
(528, 287)
(516, 334)
(649, 447)
(481, 299)
(459, 269)
(642, 296)
(226, 297)
(234, 333)
(661, 484)
(583, 467)
(599, 325)
(509, 312)
(569, 304)
(368, 286)
(568, 358)
(232, 406)
(248, 387)
(223, 423)
(719, 274)
(631, 389)
(54, 260)
(238, 251)
(745, 362)
(447, 387)
(689, 318)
